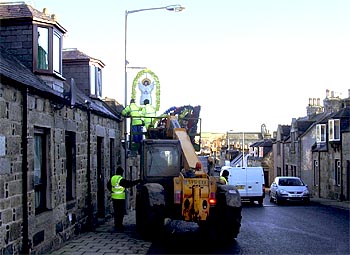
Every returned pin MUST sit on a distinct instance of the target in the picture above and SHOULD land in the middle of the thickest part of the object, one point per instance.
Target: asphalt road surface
(272, 229)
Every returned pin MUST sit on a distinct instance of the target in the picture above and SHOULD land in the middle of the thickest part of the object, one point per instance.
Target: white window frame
(334, 130)
(95, 81)
(321, 131)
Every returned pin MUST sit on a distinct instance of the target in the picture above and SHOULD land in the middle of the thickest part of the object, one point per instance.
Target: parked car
(289, 189)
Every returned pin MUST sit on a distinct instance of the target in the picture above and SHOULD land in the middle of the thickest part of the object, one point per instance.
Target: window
(285, 173)
(47, 50)
(70, 165)
(321, 133)
(95, 81)
(316, 173)
(40, 169)
(43, 48)
(294, 170)
(334, 130)
(57, 53)
(279, 171)
(337, 172)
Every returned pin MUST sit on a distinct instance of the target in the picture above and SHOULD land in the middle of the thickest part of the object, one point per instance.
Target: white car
(289, 189)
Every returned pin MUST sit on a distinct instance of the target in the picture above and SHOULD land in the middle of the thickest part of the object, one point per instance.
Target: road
(272, 229)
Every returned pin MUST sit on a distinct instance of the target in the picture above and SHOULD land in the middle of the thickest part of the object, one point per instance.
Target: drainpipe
(25, 240)
(88, 170)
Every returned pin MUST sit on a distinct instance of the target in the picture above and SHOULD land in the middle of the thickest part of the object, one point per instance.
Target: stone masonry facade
(49, 196)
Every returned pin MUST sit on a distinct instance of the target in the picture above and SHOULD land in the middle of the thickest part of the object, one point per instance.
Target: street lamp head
(175, 8)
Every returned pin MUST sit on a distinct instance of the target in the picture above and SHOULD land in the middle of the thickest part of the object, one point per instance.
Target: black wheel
(307, 201)
(261, 201)
(277, 200)
(224, 221)
(149, 219)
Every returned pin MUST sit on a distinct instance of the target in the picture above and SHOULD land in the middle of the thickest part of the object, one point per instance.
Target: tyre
(277, 200)
(224, 222)
(307, 201)
(149, 218)
(261, 201)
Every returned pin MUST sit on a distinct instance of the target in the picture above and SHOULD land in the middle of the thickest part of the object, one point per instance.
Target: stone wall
(63, 219)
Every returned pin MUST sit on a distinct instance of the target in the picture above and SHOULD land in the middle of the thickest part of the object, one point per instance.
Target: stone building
(59, 141)
(261, 156)
(316, 148)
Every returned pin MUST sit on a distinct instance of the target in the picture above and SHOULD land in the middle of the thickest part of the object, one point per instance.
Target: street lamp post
(175, 8)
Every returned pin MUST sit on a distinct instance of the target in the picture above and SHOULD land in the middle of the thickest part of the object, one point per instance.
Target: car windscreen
(290, 182)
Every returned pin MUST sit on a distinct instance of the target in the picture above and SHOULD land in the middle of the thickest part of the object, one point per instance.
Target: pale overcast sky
(245, 62)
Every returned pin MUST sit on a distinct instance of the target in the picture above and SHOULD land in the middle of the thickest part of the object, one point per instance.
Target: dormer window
(321, 133)
(334, 129)
(47, 50)
(95, 81)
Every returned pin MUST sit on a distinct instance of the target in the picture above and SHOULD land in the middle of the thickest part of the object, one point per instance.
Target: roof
(20, 10)
(264, 143)
(343, 113)
(11, 68)
(73, 55)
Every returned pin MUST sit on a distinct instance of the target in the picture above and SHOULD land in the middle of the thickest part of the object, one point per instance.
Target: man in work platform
(119, 184)
(134, 111)
(148, 111)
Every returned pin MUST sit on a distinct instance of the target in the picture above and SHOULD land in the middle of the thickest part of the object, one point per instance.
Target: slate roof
(264, 143)
(19, 10)
(11, 68)
(285, 132)
(342, 114)
(73, 54)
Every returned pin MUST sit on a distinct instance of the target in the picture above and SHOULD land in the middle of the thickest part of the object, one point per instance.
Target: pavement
(103, 240)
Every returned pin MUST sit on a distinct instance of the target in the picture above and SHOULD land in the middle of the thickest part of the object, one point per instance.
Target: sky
(245, 62)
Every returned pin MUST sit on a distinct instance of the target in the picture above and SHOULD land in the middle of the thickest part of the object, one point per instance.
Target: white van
(249, 182)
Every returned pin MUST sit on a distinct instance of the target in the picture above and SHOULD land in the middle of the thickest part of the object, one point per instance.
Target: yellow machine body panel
(189, 153)
(194, 195)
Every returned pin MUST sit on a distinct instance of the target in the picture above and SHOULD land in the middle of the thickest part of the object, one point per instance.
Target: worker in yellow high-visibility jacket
(134, 111)
(118, 186)
(148, 112)
(224, 177)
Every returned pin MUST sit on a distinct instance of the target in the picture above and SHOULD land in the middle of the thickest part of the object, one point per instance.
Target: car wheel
(278, 202)
(307, 201)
